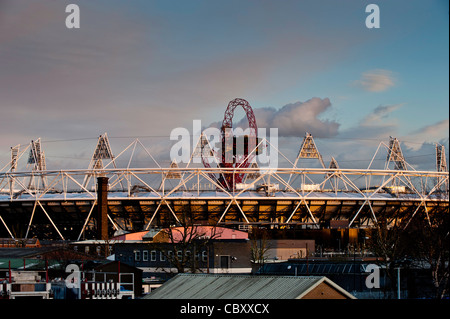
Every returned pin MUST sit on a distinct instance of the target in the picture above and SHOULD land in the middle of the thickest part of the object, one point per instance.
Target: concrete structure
(190, 286)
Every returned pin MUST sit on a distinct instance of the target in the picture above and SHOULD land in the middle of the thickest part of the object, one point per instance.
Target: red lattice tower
(229, 180)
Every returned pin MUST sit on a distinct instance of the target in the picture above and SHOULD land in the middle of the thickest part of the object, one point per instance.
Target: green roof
(30, 264)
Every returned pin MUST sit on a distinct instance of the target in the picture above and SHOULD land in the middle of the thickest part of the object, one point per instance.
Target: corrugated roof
(207, 286)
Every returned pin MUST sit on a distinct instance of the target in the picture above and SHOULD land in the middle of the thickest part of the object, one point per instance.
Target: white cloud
(436, 130)
(430, 133)
(376, 125)
(297, 118)
(376, 80)
(379, 114)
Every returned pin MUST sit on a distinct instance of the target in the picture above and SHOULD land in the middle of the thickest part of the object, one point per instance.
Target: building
(129, 277)
(351, 274)
(19, 242)
(25, 284)
(204, 249)
(218, 286)
(166, 259)
(284, 249)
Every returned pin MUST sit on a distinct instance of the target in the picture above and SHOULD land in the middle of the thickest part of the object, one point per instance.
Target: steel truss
(61, 203)
(366, 197)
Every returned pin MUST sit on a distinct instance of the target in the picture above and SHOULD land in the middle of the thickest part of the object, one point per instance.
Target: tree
(431, 242)
(259, 246)
(424, 242)
(182, 245)
(388, 243)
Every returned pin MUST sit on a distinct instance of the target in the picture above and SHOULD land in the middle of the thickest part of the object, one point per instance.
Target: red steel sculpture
(231, 158)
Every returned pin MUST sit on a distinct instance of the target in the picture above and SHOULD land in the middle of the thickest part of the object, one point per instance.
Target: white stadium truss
(61, 203)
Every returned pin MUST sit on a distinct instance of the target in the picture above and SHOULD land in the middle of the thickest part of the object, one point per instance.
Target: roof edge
(331, 283)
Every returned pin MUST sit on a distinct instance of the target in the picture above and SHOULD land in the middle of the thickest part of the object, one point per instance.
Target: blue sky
(143, 68)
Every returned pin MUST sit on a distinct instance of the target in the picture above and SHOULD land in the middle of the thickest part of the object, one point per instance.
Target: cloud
(376, 80)
(297, 118)
(356, 145)
(379, 114)
(375, 126)
(294, 119)
(422, 156)
(435, 130)
(428, 133)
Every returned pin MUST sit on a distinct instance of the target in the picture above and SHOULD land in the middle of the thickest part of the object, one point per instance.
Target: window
(137, 255)
(86, 249)
(204, 256)
(153, 255)
(145, 255)
(162, 257)
(244, 227)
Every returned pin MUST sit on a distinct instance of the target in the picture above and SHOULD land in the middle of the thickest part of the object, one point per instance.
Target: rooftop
(208, 286)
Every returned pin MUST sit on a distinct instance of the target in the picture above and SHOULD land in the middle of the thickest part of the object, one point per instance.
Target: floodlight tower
(308, 149)
(102, 151)
(36, 160)
(441, 163)
(395, 155)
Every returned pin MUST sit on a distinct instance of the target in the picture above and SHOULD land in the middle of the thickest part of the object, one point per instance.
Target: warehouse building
(219, 286)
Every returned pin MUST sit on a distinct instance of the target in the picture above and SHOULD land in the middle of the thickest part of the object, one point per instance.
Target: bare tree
(424, 243)
(388, 244)
(259, 246)
(431, 242)
(183, 245)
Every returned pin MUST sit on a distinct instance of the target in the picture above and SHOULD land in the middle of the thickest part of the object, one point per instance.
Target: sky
(142, 68)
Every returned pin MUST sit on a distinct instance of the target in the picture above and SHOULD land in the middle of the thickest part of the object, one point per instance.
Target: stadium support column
(102, 208)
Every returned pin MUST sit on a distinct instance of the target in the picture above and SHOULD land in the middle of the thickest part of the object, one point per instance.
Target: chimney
(102, 208)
